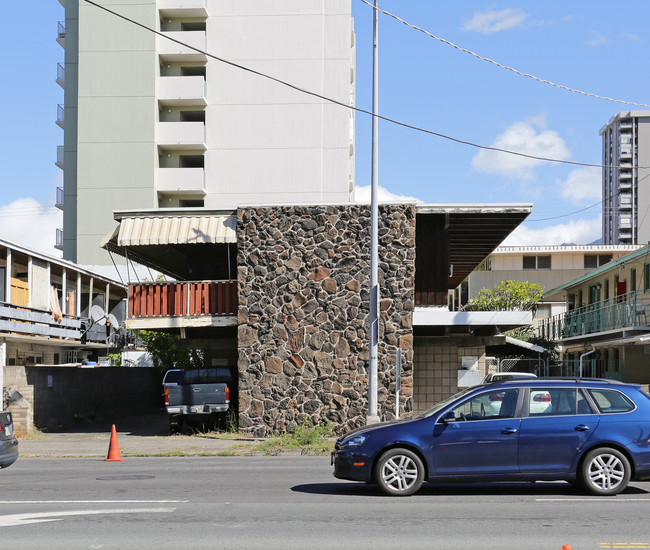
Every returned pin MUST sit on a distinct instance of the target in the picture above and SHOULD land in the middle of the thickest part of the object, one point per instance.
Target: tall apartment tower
(150, 123)
(626, 193)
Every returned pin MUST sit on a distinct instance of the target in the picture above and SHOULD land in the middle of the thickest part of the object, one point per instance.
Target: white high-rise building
(626, 193)
(150, 123)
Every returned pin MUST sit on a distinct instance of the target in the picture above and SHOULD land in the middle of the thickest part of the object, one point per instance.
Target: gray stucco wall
(303, 278)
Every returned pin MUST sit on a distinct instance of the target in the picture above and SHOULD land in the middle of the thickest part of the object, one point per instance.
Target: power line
(348, 106)
(488, 60)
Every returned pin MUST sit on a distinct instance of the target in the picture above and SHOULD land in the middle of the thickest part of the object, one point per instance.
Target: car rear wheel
(399, 472)
(605, 471)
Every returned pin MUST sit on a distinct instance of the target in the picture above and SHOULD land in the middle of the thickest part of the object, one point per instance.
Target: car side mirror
(448, 418)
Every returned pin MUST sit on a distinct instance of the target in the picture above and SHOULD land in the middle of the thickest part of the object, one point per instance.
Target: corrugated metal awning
(155, 230)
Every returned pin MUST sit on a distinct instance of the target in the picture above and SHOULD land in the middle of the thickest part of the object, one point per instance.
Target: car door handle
(581, 428)
(509, 431)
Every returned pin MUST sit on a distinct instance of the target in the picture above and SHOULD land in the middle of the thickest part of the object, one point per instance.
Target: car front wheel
(399, 472)
(605, 472)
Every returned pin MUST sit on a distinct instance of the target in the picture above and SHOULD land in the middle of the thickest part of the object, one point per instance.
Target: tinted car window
(611, 401)
(488, 406)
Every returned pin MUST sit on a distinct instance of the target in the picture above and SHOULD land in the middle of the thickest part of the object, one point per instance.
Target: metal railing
(612, 314)
(60, 74)
(60, 33)
(183, 299)
(60, 115)
(59, 239)
(60, 197)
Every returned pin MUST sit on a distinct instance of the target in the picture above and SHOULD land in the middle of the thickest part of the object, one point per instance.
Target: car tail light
(227, 394)
(166, 396)
(2, 427)
(542, 398)
(496, 397)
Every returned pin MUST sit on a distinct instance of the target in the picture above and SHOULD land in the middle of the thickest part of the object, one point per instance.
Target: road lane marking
(594, 499)
(167, 501)
(12, 520)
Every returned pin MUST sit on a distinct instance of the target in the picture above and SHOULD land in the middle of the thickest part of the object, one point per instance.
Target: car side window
(611, 401)
(488, 406)
(552, 402)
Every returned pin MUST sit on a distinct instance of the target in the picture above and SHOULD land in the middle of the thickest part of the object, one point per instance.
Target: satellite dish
(97, 315)
(112, 320)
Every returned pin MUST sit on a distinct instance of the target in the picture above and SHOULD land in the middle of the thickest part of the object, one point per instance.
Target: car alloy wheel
(399, 472)
(605, 471)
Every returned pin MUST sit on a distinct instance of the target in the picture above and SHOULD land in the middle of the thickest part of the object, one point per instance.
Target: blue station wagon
(590, 432)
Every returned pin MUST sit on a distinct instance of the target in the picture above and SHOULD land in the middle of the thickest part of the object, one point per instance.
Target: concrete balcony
(183, 8)
(182, 90)
(173, 51)
(181, 181)
(181, 135)
(58, 244)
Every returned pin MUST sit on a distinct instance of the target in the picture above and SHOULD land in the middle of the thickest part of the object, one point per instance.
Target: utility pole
(373, 417)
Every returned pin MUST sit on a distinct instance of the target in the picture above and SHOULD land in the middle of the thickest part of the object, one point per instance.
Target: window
(633, 279)
(596, 260)
(611, 401)
(554, 402)
(646, 277)
(606, 289)
(537, 262)
(488, 406)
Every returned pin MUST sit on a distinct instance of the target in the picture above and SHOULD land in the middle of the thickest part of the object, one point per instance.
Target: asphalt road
(294, 502)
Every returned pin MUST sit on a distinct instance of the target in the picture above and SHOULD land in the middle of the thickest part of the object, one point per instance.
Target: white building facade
(626, 161)
(152, 123)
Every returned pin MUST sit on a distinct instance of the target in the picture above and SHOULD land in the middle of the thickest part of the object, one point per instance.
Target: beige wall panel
(40, 285)
(118, 74)
(103, 31)
(116, 119)
(286, 7)
(116, 166)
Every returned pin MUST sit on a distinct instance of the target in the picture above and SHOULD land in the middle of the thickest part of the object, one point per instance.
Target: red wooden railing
(183, 299)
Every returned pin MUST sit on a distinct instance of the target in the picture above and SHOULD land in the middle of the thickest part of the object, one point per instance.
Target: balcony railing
(59, 239)
(60, 197)
(60, 74)
(60, 115)
(60, 34)
(616, 313)
(183, 299)
(59, 156)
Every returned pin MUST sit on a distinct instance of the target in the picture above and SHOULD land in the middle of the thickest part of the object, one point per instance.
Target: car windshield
(439, 406)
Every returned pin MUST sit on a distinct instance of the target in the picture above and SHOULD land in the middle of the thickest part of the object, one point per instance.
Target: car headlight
(355, 441)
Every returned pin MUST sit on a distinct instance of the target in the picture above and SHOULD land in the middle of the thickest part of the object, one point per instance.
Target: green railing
(612, 314)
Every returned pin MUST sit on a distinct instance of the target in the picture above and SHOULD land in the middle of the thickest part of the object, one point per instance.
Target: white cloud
(521, 137)
(489, 22)
(598, 39)
(28, 223)
(362, 194)
(577, 232)
(582, 184)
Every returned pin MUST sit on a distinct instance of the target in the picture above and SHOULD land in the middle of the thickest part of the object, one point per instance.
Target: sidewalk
(146, 434)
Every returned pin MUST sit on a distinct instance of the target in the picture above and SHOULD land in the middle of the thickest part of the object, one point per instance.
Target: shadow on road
(148, 423)
(538, 489)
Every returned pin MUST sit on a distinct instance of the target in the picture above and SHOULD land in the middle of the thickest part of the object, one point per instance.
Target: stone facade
(303, 284)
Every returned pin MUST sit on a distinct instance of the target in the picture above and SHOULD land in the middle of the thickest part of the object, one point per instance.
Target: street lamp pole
(374, 232)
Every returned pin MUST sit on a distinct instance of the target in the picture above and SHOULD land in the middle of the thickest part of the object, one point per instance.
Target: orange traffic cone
(566, 547)
(113, 448)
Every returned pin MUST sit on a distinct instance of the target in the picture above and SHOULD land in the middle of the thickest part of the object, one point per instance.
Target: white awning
(155, 230)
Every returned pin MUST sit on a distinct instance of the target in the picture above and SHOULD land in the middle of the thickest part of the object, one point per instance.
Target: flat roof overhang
(475, 231)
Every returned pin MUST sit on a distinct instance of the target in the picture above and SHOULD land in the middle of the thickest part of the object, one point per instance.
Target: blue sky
(596, 46)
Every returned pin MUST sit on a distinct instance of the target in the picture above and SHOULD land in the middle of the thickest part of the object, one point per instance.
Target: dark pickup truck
(199, 393)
